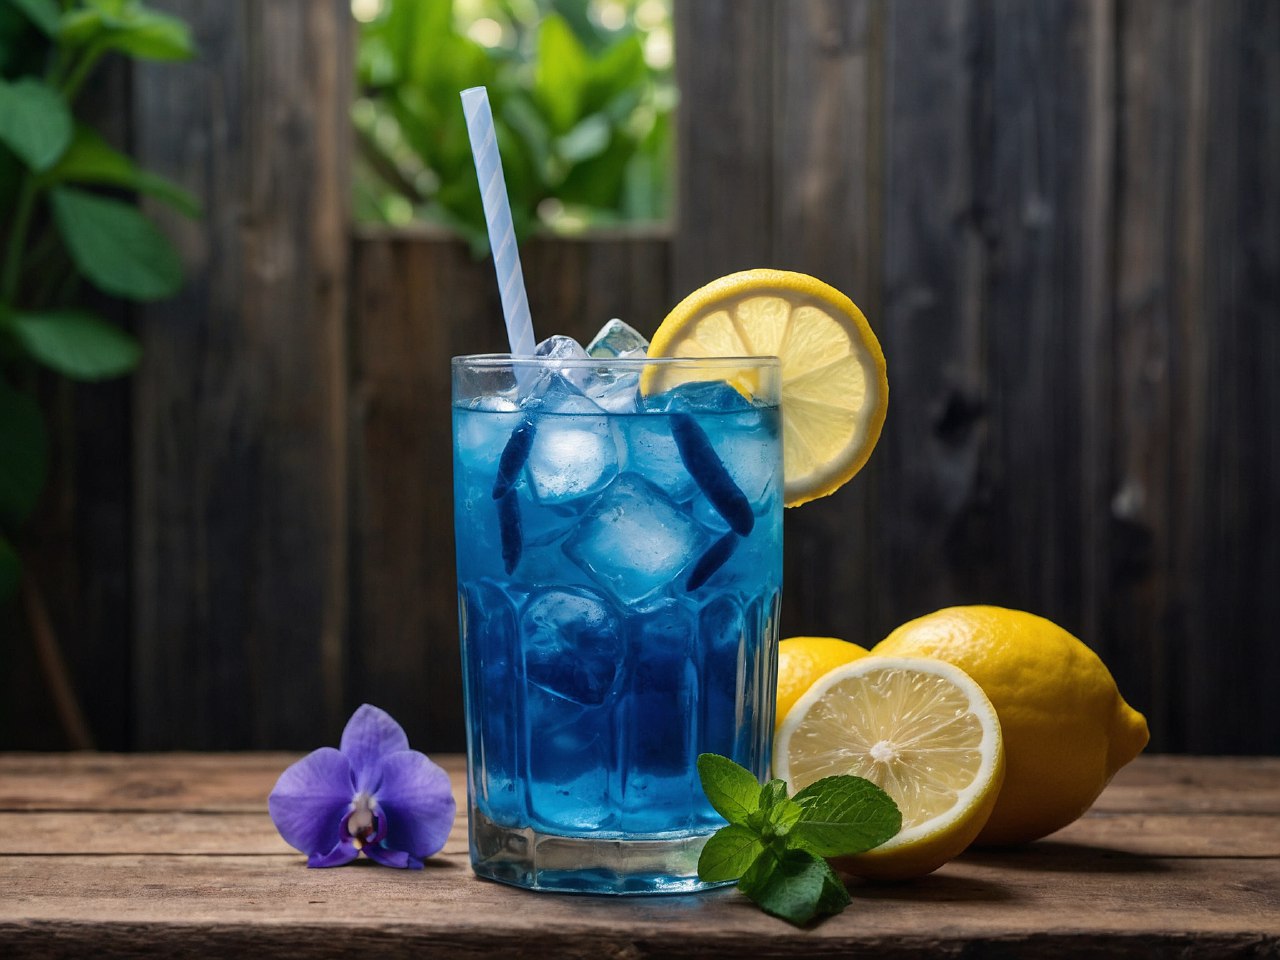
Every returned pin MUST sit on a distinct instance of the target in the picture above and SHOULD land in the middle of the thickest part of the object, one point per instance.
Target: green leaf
(43, 13)
(35, 122)
(25, 444)
(148, 35)
(796, 886)
(772, 793)
(77, 344)
(10, 570)
(733, 791)
(118, 249)
(588, 139)
(562, 69)
(728, 854)
(618, 70)
(784, 815)
(90, 159)
(844, 815)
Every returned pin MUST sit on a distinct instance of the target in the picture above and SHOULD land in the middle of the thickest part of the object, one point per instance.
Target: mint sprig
(775, 846)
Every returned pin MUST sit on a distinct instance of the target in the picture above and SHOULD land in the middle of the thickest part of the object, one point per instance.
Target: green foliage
(583, 119)
(56, 233)
(775, 846)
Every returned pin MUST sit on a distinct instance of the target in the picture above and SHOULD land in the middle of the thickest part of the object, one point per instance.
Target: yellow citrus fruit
(921, 730)
(1066, 728)
(834, 388)
(802, 660)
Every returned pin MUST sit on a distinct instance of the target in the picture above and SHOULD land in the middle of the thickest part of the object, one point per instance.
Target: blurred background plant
(57, 234)
(583, 97)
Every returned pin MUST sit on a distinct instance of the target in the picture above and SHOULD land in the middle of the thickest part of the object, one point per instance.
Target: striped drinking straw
(497, 214)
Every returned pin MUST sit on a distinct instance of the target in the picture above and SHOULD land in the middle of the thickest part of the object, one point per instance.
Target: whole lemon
(802, 660)
(1066, 728)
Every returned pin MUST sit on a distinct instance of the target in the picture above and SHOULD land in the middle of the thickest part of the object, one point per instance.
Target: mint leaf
(796, 886)
(844, 815)
(733, 791)
(771, 793)
(784, 815)
(729, 853)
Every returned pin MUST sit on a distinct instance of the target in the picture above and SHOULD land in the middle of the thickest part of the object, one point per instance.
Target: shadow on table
(1059, 857)
(935, 888)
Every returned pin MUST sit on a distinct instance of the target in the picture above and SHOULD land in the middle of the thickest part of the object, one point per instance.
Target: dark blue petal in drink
(713, 479)
(712, 560)
(514, 456)
(509, 528)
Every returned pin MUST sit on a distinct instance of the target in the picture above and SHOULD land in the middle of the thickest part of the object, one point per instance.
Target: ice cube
(614, 390)
(699, 396)
(574, 453)
(483, 430)
(651, 451)
(573, 643)
(618, 339)
(555, 348)
(750, 454)
(560, 347)
(634, 539)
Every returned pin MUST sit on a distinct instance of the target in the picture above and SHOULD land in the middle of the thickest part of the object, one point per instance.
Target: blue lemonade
(619, 575)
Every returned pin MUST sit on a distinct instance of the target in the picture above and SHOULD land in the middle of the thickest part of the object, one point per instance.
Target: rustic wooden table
(105, 855)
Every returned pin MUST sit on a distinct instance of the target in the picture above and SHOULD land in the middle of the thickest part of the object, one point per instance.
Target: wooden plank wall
(1062, 218)
(1063, 222)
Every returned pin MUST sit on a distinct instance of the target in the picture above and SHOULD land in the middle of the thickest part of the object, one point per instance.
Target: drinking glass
(619, 556)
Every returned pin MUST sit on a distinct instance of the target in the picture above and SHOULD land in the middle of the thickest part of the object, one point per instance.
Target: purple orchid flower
(372, 794)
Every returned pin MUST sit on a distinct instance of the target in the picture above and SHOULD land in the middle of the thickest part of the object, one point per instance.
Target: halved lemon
(802, 660)
(923, 731)
(834, 388)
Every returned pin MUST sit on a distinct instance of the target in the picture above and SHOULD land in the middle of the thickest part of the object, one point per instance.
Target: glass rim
(507, 360)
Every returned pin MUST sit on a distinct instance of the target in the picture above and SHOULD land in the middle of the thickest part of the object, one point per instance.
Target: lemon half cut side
(835, 391)
(921, 730)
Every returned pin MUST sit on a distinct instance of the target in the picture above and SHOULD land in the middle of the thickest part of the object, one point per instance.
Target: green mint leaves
(775, 846)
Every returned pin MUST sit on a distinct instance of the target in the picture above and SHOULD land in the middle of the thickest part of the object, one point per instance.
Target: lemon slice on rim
(834, 388)
(920, 729)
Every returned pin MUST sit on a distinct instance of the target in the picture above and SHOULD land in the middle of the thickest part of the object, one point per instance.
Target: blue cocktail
(619, 550)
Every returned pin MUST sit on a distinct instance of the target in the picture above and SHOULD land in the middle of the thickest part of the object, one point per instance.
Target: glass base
(526, 857)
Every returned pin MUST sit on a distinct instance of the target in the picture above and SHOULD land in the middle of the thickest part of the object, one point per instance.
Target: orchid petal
(370, 735)
(310, 799)
(344, 852)
(417, 801)
(392, 858)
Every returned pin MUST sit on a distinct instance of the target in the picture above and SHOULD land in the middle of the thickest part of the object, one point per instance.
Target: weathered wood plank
(828, 171)
(1034, 160)
(417, 302)
(724, 139)
(932, 549)
(240, 419)
(1107, 837)
(1167, 906)
(1228, 502)
(204, 782)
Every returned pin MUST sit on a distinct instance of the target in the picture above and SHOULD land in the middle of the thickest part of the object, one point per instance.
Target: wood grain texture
(240, 401)
(828, 174)
(725, 51)
(418, 301)
(109, 881)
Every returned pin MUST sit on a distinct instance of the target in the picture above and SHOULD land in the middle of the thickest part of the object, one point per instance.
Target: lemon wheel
(835, 391)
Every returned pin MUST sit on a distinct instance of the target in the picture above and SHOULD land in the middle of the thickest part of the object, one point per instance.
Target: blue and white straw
(497, 214)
